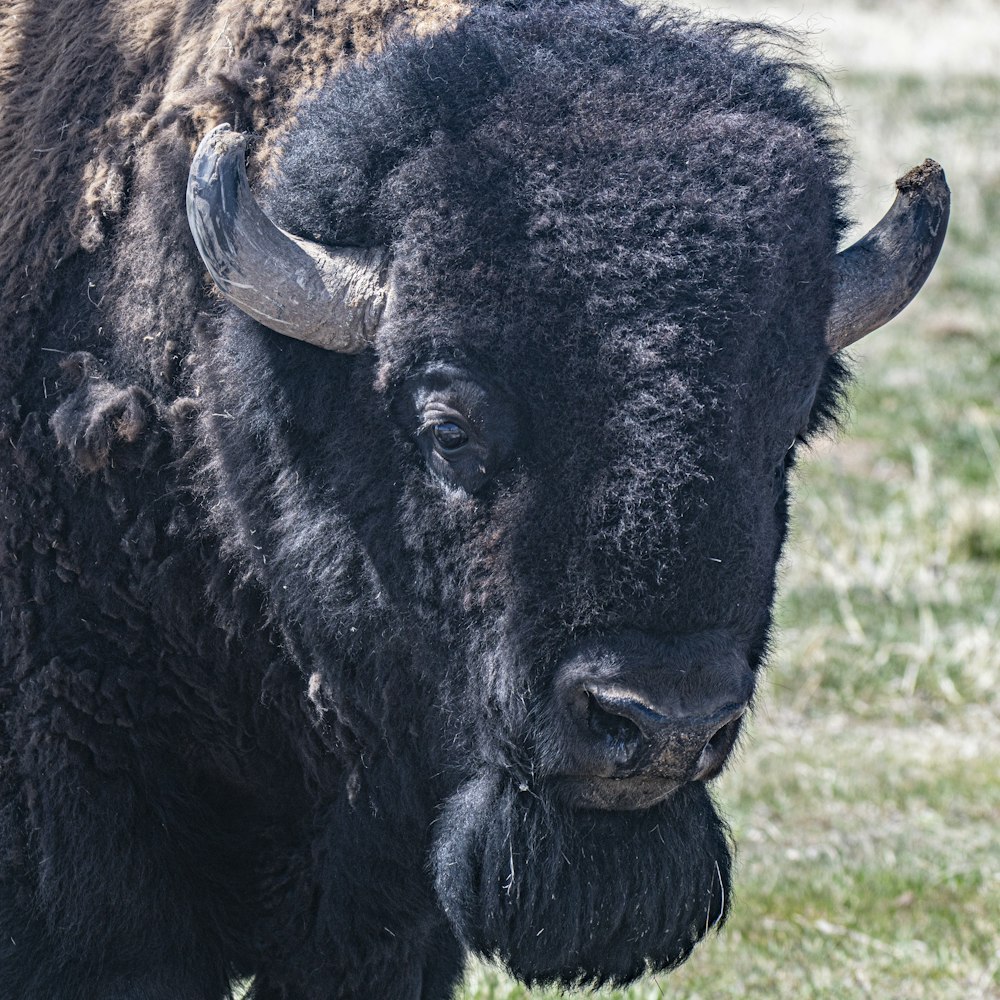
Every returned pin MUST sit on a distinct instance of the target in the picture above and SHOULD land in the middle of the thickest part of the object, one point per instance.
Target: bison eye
(448, 436)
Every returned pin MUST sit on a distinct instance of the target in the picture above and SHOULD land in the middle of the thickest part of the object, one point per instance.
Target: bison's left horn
(879, 275)
(327, 296)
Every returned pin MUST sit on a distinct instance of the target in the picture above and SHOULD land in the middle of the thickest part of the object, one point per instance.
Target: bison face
(525, 544)
(594, 535)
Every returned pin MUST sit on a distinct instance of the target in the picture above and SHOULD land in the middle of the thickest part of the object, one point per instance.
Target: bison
(389, 539)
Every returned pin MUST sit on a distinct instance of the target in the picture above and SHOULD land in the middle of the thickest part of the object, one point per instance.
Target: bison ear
(878, 276)
(327, 296)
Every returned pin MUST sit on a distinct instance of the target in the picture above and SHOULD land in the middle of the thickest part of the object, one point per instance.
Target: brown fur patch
(86, 87)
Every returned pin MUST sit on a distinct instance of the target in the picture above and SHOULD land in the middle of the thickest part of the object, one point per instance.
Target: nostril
(717, 741)
(623, 704)
(609, 725)
(715, 751)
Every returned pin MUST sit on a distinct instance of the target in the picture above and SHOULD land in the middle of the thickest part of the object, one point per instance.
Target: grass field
(866, 805)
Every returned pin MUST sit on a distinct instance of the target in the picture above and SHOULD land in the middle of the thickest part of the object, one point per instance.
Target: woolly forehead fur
(579, 180)
(629, 224)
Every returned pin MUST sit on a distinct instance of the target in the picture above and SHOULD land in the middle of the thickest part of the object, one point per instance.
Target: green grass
(866, 801)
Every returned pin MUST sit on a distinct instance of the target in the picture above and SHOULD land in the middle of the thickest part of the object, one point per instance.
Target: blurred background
(866, 803)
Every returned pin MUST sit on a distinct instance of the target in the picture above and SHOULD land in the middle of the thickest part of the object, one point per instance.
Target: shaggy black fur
(275, 692)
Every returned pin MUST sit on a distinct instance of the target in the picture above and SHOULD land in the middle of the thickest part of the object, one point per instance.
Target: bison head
(575, 272)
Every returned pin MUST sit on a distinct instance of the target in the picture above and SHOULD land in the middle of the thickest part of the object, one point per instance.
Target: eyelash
(431, 417)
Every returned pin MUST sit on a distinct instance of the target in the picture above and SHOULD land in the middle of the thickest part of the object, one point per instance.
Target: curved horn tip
(922, 176)
(222, 140)
(219, 142)
(879, 275)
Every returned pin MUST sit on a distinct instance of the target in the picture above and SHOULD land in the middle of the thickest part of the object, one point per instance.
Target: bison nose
(694, 746)
(636, 716)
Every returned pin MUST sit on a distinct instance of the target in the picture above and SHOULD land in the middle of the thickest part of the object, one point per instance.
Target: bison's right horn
(879, 275)
(330, 297)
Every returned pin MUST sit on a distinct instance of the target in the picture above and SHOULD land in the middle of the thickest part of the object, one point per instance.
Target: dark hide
(277, 698)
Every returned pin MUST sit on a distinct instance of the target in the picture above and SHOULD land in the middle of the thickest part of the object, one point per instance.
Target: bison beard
(580, 897)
